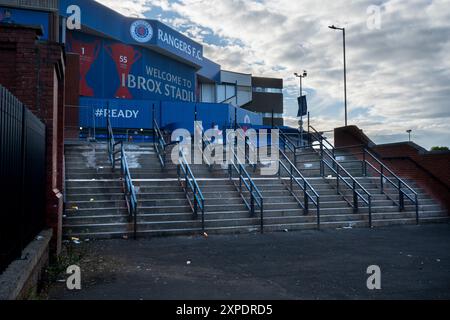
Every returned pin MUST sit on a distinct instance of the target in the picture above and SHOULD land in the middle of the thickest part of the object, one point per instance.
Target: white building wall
(240, 79)
(208, 92)
(235, 88)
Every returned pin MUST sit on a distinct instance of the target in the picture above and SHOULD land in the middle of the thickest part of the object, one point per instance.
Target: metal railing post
(252, 200)
(364, 164)
(240, 180)
(382, 180)
(203, 215)
(305, 198)
(153, 123)
(279, 169)
(355, 198)
(370, 211)
(318, 213)
(291, 175)
(417, 210)
(195, 202)
(185, 179)
(401, 196)
(322, 167)
(164, 156)
(135, 223)
(262, 215)
(337, 179)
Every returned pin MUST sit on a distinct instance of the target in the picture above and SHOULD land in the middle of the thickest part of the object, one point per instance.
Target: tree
(437, 148)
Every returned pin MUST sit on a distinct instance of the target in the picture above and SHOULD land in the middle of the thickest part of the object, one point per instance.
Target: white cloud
(399, 75)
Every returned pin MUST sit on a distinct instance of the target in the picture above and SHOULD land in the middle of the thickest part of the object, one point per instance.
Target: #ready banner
(123, 113)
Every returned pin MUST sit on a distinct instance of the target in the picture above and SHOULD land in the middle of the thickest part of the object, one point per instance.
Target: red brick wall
(72, 96)
(350, 136)
(430, 170)
(34, 72)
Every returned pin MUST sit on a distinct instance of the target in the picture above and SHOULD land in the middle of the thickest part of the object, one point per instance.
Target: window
(225, 92)
(267, 90)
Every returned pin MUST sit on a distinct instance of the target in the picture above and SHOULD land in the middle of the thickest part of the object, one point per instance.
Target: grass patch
(71, 254)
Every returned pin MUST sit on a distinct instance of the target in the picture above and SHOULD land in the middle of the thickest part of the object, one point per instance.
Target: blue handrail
(249, 143)
(190, 185)
(159, 143)
(111, 142)
(129, 189)
(295, 176)
(309, 193)
(246, 181)
(299, 180)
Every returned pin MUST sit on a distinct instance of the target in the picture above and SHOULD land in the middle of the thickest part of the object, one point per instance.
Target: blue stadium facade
(134, 68)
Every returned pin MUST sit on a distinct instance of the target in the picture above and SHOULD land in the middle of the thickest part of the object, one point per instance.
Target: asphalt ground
(330, 264)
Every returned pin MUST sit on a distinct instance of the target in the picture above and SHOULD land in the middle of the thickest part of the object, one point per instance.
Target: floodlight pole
(301, 76)
(345, 77)
(345, 69)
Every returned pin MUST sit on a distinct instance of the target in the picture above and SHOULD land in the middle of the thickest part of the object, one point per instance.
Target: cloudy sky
(398, 56)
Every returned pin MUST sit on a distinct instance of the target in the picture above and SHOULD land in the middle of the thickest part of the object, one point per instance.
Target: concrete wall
(22, 276)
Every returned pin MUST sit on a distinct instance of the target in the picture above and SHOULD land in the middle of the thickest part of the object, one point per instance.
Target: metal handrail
(392, 178)
(329, 151)
(130, 192)
(190, 185)
(304, 185)
(287, 142)
(247, 142)
(111, 142)
(159, 143)
(246, 181)
(291, 144)
(202, 146)
(399, 184)
(320, 137)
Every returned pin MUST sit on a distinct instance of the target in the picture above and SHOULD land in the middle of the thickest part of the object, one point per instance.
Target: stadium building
(132, 68)
(89, 101)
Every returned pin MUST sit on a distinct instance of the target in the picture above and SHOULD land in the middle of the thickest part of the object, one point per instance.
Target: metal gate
(22, 177)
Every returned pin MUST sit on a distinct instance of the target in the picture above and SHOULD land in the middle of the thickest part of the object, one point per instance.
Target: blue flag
(302, 106)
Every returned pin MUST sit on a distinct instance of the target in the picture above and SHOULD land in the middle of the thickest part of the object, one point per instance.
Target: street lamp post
(301, 76)
(409, 134)
(345, 69)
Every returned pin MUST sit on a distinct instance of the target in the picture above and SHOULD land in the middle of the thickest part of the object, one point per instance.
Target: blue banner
(130, 114)
(138, 114)
(247, 117)
(110, 69)
(302, 106)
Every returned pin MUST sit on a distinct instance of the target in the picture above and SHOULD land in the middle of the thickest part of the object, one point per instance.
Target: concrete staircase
(384, 210)
(95, 205)
(164, 209)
